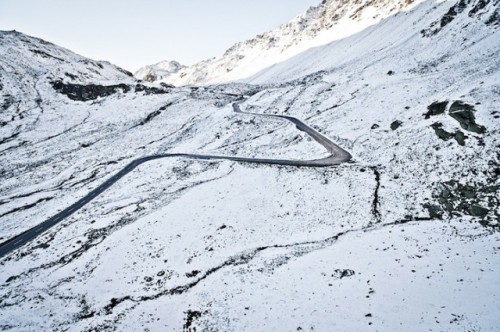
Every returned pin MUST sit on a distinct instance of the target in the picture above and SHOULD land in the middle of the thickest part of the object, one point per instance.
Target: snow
(215, 245)
(158, 71)
(329, 21)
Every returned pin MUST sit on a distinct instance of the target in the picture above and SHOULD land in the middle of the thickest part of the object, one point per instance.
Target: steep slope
(403, 238)
(419, 40)
(330, 20)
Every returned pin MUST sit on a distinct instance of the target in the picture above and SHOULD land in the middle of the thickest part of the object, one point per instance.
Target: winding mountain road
(337, 156)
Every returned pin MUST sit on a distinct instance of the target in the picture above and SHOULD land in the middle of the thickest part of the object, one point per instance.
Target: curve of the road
(337, 156)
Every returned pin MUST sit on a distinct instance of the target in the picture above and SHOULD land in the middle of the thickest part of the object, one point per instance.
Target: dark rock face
(460, 8)
(396, 124)
(87, 92)
(440, 132)
(494, 19)
(150, 90)
(436, 108)
(464, 114)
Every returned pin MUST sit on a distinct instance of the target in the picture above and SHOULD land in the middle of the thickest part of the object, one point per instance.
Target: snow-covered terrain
(158, 71)
(330, 20)
(404, 237)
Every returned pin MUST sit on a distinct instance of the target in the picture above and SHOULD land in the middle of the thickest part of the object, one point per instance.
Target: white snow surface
(184, 245)
(331, 20)
(158, 71)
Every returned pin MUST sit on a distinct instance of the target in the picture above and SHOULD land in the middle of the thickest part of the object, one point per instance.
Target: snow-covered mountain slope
(159, 71)
(330, 20)
(403, 237)
(403, 42)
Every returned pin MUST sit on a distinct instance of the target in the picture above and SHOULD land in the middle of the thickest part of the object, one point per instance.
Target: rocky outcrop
(472, 199)
(88, 92)
(464, 114)
(479, 9)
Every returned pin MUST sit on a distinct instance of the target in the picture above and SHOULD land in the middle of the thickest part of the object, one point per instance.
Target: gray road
(337, 156)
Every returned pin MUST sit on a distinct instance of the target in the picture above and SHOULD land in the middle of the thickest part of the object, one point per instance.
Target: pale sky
(135, 33)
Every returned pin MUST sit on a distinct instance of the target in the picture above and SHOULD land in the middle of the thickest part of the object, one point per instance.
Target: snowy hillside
(405, 236)
(159, 71)
(331, 20)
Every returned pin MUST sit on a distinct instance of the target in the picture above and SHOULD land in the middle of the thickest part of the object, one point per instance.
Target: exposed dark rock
(481, 4)
(347, 273)
(476, 200)
(448, 17)
(396, 124)
(8, 100)
(460, 137)
(126, 72)
(375, 126)
(494, 19)
(150, 90)
(436, 108)
(478, 211)
(46, 55)
(376, 199)
(440, 132)
(464, 114)
(87, 92)
(192, 274)
(166, 85)
(460, 7)
(435, 211)
(390, 73)
(191, 317)
(153, 115)
(73, 77)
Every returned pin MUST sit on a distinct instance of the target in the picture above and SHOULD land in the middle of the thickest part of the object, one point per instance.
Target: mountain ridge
(330, 20)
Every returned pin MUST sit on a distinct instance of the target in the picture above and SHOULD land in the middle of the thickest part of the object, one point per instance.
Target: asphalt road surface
(337, 156)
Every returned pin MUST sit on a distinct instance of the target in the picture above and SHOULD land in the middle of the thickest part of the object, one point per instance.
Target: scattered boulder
(390, 73)
(396, 124)
(192, 274)
(478, 211)
(375, 126)
(460, 137)
(440, 132)
(436, 108)
(464, 114)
